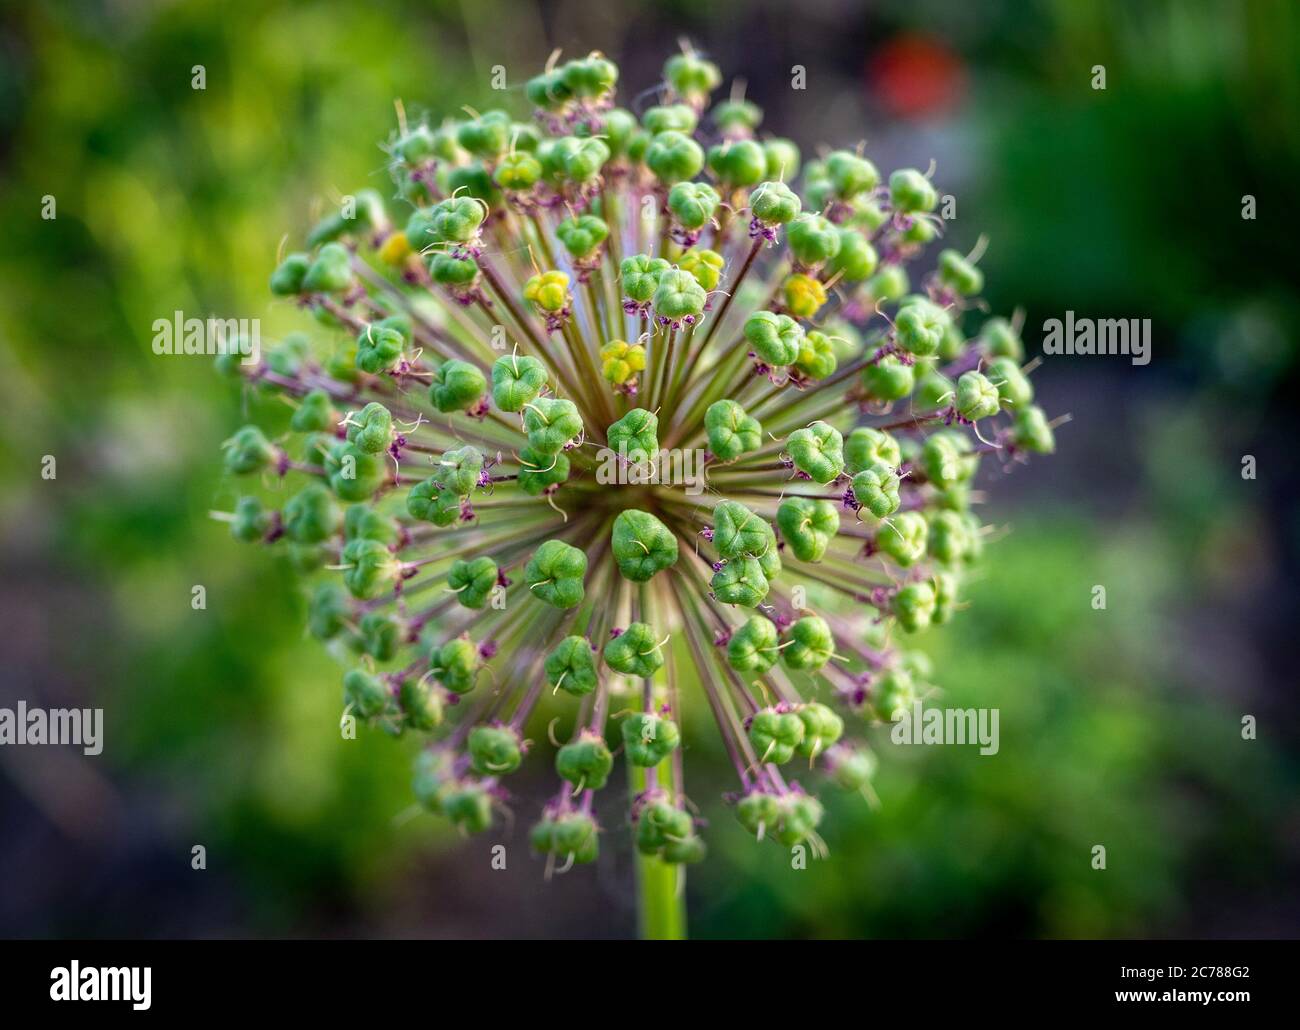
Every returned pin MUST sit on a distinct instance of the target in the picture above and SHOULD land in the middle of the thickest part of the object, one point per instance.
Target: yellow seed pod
(804, 295)
(396, 249)
(548, 291)
(621, 361)
(704, 265)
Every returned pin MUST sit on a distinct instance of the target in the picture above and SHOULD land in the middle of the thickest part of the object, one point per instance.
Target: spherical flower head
(910, 192)
(692, 77)
(774, 203)
(875, 488)
(814, 240)
(457, 386)
(888, 379)
(551, 422)
(555, 572)
(457, 219)
(472, 581)
(586, 762)
(976, 398)
(517, 380)
(582, 236)
(731, 431)
(738, 163)
(678, 296)
(850, 174)
(817, 451)
(674, 157)
(1032, 432)
(642, 545)
(920, 326)
(803, 295)
(903, 538)
(548, 292)
(741, 581)
(571, 667)
(775, 734)
(810, 646)
(753, 646)
(776, 339)
(807, 526)
(680, 118)
(816, 358)
(693, 204)
(620, 361)
(704, 265)
(635, 651)
(649, 738)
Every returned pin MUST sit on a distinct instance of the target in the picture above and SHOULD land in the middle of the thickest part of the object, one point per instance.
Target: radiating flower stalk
(545, 300)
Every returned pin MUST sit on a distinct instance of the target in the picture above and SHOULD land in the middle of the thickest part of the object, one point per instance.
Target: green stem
(660, 904)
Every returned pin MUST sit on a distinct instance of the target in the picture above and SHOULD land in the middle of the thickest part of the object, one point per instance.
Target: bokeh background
(1120, 727)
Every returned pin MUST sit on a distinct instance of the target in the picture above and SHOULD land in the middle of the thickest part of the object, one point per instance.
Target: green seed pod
(354, 475)
(866, 446)
(518, 171)
(537, 471)
(911, 192)
(800, 815)
(904, 538)
(888, 379)
(679, 296)
(813, 240)
(855, 260)
(691, 77)
(327, 611)
(429, 502)
(419, 231)
(248, 451)
(737, 117)
(635, 651)
(920, 326)
(1013, 385)
(852, 768)
(818, 451)
(774, 203)
(311, 515)
(738, 163)
(958, 274)
(456, 386)
(678, 118)
(456, 664)
(432, 780)
(753, 646)
(368, 695)
(458, 470)
(379, 349)
(803, 295)
(776, 339)
(331, 272)
(946, 458)
(693, 204)
(251, 520)
(687, 851)
(473, 581)
(946, 591)
(737, 531)
(590, 76)
(576, 834)
(548, 91)
(578, 160)
(451, 271)
(640, 274)
(1000, 339)
(581, 236)
(674, 157)
(315, 414)
(658, 824)
(775, 735)
(933, 390)
(494, 750)
(287, 279)
(821, 729)
(808, 526)
(649, 738)
(953, 346)
(469, 807)
(486, 136)
(421, 705)
(373, 568)
(642, 545)
(704, 265)
(516, 381)
(551, 423)
(758, 813)
(367, 215)
(371, 429)
(889, 283)
(620, 126)
(731, 431)
(1032, 432)
(586, 763)
(817, 358)
(876, 489)
(782, 160)
(555, 572)
(948, 540)
(976, 397)
(850, 174)
(635, 435)
(913, 605)
(811, 644)
(455, 220)
(572, 667)
(741, 581)
(381, 635)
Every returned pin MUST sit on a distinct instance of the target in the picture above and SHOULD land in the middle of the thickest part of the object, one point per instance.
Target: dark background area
(1120, 727)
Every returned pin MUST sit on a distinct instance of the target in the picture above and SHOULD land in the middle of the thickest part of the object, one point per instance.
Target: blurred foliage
(171, 198)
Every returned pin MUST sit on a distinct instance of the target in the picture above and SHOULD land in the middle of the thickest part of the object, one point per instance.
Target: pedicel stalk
(543, 287)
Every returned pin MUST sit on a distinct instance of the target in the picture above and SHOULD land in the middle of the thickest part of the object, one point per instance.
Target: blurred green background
(1120, 728)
